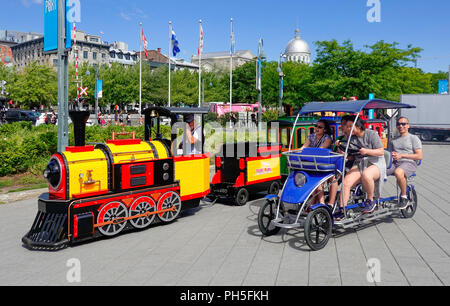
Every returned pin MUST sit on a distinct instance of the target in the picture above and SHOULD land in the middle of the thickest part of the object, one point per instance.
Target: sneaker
(339, 214)
(370, 206)
(404, 202)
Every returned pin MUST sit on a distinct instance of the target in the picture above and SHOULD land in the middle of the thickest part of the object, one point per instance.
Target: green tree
(8, 74)
(244, 83)
(342, 71)
(35, 85)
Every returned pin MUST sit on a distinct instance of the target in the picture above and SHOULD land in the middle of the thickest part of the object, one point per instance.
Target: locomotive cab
(191, 167)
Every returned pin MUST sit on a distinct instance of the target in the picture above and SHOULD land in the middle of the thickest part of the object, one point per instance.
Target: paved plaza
(221, 244)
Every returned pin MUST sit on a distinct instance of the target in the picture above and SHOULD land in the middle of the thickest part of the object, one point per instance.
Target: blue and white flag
(175, 48)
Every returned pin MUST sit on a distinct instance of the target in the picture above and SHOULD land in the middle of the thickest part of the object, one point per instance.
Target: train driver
(192, 136)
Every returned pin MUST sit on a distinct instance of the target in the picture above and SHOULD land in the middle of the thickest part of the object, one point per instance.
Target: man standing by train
(406, 151)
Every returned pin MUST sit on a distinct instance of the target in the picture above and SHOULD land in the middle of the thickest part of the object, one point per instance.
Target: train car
(244, 168)
(303, 128)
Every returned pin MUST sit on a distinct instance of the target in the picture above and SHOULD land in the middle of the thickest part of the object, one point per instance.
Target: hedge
(25, 148)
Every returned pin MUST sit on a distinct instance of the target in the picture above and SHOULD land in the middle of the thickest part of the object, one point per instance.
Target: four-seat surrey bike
(312, 168)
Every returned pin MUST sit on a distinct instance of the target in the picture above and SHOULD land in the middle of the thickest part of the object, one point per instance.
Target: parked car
(15, 115)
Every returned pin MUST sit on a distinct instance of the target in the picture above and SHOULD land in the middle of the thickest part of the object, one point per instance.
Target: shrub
(24, 148)
(269, 115)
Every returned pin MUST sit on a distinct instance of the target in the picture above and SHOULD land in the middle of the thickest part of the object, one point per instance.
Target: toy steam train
(106, 188)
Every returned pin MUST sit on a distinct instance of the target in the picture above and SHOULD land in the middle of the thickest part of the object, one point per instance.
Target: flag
(175, 48)
(232, 40)
(144, 40)
(200, 43)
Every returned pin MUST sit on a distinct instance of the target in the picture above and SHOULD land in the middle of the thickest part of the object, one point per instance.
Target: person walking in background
(128, 119)
(121, 118)
(53, 118)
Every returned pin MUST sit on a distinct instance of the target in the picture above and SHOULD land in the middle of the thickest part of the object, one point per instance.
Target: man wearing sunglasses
(406, 151)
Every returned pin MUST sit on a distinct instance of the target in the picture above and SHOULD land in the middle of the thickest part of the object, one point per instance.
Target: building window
(85, 54)
(103, 55)
(112, 54)
(127, 57)
(120, 56)
(94, 55)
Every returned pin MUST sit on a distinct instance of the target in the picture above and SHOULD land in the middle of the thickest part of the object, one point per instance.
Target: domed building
(297, 50)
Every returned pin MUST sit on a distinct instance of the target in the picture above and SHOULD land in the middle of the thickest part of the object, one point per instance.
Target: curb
(21, 195)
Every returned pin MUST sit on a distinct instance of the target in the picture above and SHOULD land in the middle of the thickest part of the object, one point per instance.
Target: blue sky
(421, 23)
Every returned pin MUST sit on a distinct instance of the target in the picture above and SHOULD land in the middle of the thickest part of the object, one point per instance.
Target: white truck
(431, 117)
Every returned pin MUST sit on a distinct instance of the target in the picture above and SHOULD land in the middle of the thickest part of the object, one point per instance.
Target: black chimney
(79, 119)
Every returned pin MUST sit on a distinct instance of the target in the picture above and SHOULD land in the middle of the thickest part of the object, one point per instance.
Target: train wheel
(265, 216)
(167, 201)
(141, 206)
(241, 197)
(113, 213)
(318, 228)
(274, 188)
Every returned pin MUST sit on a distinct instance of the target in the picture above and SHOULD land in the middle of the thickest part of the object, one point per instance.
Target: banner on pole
(370, 115)
(99, 89)
(51, 25)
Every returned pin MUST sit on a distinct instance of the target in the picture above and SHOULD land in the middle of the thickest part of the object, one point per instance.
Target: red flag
(145, 43)
(200, 42)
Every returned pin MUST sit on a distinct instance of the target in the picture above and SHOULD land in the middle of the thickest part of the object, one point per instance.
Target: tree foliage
(339, 70)
(35, 85)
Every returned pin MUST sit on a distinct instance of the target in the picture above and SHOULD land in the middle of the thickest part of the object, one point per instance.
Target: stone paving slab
(220, 245)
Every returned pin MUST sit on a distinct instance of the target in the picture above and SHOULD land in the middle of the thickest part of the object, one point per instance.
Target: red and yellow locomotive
(99, 190)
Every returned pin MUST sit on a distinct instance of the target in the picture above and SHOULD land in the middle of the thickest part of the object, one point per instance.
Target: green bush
(269, 115)
(25, 148)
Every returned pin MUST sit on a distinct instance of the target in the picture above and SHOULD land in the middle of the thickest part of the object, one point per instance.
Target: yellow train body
(87, 173)
(193, 174)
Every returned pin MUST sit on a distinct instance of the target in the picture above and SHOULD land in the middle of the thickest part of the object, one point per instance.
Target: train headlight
(299, 179)
(165, 166)
(165, 176)
(53, 173)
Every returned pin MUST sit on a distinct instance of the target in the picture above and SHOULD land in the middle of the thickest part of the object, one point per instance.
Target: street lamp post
(261, 56)
(281, 75)
(63, 81)
(96, 93)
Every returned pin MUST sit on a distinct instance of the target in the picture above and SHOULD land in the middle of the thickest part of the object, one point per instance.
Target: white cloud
(133, 13)
(28, 3)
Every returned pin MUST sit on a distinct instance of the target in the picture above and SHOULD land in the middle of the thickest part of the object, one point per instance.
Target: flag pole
(168, 54)
(231, 67)
(140, 69)
(200, 64)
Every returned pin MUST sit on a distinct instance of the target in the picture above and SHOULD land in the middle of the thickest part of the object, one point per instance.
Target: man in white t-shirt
(406, 150)
(193, 136)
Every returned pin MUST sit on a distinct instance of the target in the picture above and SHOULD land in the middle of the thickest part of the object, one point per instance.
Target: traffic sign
(84, 91)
